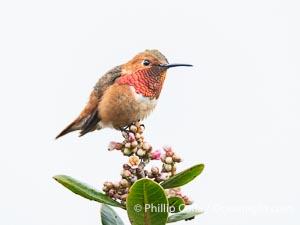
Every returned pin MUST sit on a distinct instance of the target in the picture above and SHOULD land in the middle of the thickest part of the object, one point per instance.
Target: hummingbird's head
(146, 72)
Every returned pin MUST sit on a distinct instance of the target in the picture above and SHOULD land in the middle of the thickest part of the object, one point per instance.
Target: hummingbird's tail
(71, 127)
(85, 125)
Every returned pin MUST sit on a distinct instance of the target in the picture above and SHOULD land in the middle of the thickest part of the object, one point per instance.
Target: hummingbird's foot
(125, 129)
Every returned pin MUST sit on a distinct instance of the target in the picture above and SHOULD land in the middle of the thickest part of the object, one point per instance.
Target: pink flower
(114, 145)
(155, 155)
(131, 137)
(168, 150)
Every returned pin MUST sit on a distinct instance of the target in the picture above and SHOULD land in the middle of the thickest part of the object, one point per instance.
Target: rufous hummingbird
(125, 94)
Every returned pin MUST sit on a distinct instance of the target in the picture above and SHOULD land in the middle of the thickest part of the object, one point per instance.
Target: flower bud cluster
(157, 174)
(140, 153)
(169, 159)
(117, 191)
(134, 143)
(176, 192)
(129, 174)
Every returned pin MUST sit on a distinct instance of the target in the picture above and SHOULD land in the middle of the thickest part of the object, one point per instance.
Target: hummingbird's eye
(146, 62)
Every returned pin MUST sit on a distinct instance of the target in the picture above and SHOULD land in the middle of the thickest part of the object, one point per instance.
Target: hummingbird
(125, 94)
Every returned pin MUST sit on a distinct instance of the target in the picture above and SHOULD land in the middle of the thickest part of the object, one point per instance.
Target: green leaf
(188, 215)
(147, 203)
(109, 216)
(183, 177)
(176, 204)
(85, 190)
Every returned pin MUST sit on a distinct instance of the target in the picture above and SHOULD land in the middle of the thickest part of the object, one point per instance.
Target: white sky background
(237, 110)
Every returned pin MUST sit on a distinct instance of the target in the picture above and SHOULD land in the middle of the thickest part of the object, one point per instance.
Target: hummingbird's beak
(174, 65)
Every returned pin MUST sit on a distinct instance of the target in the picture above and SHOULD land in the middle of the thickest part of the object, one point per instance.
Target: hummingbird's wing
(88, 119)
